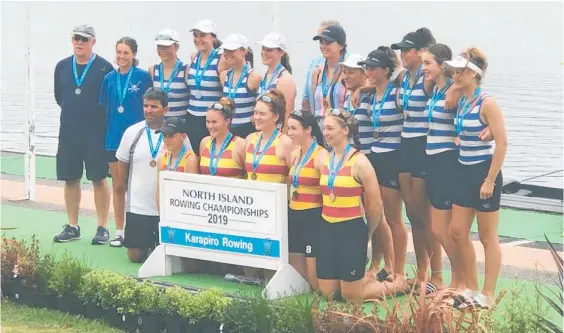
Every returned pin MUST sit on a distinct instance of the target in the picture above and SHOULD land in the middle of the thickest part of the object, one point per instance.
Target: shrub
(68, 274)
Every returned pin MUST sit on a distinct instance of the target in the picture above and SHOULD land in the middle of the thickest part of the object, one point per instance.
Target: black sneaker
(68, 234)
(102, 236)
(117, 242)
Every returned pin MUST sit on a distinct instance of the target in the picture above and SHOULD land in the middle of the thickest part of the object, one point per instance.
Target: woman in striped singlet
(267, 153)
(348, 183)
(478, 176)
(386, 118)
(170, 74)
(413, 96)
(304, 210)
(240, 83)
(442, 154)
(279, 72)
(326, 87)
(203, 79)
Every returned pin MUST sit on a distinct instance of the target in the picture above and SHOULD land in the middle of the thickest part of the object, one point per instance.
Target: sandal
(384, 275)
(475, 303)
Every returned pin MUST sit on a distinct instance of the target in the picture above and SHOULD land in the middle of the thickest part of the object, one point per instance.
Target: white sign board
(223, 220)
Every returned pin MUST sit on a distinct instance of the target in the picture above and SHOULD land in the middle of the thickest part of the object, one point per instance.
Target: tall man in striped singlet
(78, 80)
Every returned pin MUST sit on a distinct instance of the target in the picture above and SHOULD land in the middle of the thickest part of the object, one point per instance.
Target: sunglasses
(79, 38)
(340, 113)
(220, 107)
(298, 113)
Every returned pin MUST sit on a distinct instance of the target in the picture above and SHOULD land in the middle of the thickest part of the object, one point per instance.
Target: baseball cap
(459, 62)
(333, 33)
(409, 41)
(353, 61)
(84, 30)
(274, 40)
(234, 42)
(172, 125)
(205, 26)
(377, 58)
(167, 37)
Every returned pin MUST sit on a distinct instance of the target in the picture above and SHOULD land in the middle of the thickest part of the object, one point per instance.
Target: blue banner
(229, 243)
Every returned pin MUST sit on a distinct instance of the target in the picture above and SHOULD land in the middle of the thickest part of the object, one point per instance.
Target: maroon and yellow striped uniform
(308, 191)
(163, 163)
(227, 167)
(270, 169)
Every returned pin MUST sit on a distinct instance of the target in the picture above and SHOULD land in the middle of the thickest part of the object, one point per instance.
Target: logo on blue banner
(229, 243)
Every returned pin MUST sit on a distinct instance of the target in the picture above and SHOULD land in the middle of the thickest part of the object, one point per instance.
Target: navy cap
(172, 125)
(409, 41)
(333, 33)
(377, 58)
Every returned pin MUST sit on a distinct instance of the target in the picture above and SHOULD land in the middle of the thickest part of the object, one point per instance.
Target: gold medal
(332, 197)
(153, 163)
(375, 134)
(457, 141)
(294, 192)
(325, 103)
(254, 176)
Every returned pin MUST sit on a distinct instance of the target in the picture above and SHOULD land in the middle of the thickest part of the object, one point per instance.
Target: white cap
(234, 42)
(460, 62)
(167, 37)
(352, 61)
(205, 26)
(274, 40)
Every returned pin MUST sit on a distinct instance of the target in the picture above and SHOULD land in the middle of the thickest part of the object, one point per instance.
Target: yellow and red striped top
(271, 168)
(163, 163)
(226, 167)
(308, 191)
(348, 193)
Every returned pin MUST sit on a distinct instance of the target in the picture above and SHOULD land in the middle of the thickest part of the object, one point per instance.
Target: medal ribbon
(256, 160)
(201, 71)
(166, 88)
(465, 109)
(232, 91)
(75, 72)
(300, 163)
(333, 171)
(263, 86)
(408, 90)
(437, 95)
(376, 115)
(215, 161)
(154, 150)
(180, 156)
(121, 94)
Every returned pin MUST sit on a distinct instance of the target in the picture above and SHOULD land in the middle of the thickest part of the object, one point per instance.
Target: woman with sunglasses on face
(386, 117)
(203, 79)
(478, 177)
(267, 153)
(240, 83)
(326, 87)
(170, 75)
(413, 95)
(348, 184)
(122, 94)
(304, 210)
(279, 72)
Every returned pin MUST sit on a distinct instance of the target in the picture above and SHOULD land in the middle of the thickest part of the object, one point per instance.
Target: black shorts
(386, 167)
(341, 253)
(196, 130)
(75, 155)
(303, 230)
(441, 178)
(243, 130)
(412, 156)
(111, 156)
(141, 231)
(469, 180)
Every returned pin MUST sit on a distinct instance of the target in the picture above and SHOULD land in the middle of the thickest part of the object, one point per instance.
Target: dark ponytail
(132, 44)
(441, 53)
(424, 38)
(278, 105)
(249, 58)
(393, 59)
(307, 119)
(286, 62)
(216, 43)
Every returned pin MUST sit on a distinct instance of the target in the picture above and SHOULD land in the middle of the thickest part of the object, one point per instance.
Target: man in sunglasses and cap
(78, 79)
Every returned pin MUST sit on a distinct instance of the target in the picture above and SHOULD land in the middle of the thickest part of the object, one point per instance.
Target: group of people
(373, 133)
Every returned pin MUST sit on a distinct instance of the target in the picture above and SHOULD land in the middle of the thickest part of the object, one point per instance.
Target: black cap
(409, 41)
(172, 125)
(333, 33)
(377, 58)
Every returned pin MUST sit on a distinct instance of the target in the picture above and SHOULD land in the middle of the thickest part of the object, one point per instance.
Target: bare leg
(352, 291)
(393, 212)
(329, 288)
(72, 200)
(102, 201)
(462, 219)
(118, 189)
(297, 260)
(311, 264)
(440, 220)
(487, 227)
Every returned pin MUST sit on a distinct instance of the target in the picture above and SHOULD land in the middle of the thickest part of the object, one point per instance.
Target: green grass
(23, 319)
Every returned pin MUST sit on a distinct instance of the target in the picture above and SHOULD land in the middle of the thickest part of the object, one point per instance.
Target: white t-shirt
(142, 183)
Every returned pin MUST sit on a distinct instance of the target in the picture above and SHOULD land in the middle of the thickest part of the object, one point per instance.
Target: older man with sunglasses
(78, 79)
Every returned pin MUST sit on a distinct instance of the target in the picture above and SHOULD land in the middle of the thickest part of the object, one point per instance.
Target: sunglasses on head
(220, 107)
(340, 113)
(79, 38)
(298, 113)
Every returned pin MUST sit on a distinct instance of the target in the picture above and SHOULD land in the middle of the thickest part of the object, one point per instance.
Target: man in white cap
(78, 80)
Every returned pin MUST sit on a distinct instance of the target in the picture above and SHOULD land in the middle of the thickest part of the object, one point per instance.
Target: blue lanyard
(408, 90)
(154, 150)
(333, 171)
(232, 91)
(180, 156)
(300, 164)
(376, 115)
(465, 109)
(348, 105)
(215, 161)
(121, 93)
(166, 88)
(201, 71)
(437, 95)
(256, 160)
(75, 72)
(263, 86)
